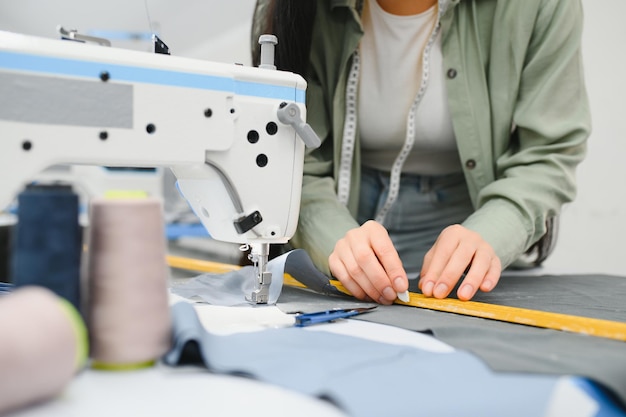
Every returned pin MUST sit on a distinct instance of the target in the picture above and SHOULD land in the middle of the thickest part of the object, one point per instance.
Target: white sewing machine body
(231, 134)
(215, 125)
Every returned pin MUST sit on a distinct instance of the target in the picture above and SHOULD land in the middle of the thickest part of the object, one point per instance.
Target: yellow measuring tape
(536, 318)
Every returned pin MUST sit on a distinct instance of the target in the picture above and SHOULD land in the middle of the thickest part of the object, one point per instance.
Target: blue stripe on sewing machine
(72, 67)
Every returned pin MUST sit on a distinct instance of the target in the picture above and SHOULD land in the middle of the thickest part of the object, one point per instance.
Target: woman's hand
(456, 251)
(367, 264)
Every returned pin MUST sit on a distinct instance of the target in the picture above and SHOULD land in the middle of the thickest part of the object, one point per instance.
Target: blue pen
(326, 316)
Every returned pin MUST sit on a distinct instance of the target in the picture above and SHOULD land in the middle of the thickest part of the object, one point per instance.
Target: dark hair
(292, 23)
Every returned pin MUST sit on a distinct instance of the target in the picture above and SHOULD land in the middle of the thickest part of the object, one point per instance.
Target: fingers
(457, 251)
(483, 274)
(388, 257)
(346, 269)
(367, 264)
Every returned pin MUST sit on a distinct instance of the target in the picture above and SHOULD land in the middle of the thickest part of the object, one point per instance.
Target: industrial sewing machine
(228, 132)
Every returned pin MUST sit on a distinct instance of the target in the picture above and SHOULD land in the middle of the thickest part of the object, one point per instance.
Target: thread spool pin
(268, 44)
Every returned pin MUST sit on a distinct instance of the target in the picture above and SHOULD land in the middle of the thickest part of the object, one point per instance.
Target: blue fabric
(5, 288)
(607, 405)
(364, 378)
(177, 230)
(425, 206)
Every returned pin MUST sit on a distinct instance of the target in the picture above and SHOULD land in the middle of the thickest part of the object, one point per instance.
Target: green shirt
(519, 108)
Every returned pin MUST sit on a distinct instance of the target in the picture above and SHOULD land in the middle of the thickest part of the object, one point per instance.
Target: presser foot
(260, 295)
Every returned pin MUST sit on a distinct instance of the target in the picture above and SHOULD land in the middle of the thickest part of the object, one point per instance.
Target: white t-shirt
(391, 72)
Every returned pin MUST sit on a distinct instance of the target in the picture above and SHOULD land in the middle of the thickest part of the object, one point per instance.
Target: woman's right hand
(368, 265)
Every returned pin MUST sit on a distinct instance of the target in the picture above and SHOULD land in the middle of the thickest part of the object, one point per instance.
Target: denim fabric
(425, 206)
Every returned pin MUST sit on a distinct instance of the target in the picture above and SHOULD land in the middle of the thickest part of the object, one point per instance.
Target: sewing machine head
(230, 133)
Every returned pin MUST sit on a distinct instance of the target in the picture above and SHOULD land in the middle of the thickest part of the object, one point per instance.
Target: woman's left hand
(456, 251)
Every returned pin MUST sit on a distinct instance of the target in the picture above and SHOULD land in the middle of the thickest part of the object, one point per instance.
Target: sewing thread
(47, 241)
(43, 342)
(5, 252)
(127, 277)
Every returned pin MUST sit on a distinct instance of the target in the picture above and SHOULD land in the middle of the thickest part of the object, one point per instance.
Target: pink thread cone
(40, 346)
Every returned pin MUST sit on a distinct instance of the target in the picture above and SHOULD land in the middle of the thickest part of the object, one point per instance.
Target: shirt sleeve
(323, 219)
(535, 176)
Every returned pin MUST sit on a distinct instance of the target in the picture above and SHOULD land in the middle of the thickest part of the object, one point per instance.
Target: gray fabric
(302, 300)
(504, 346)
(300, 266)
(590, 295)
(362, 377)
(231, 288)
(510, 347)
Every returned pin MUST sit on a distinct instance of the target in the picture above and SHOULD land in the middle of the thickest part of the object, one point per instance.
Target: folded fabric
(231, 288)
(368, 378)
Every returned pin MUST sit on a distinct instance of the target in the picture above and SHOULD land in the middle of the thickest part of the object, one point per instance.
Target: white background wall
(217, 30)
(592, 228)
